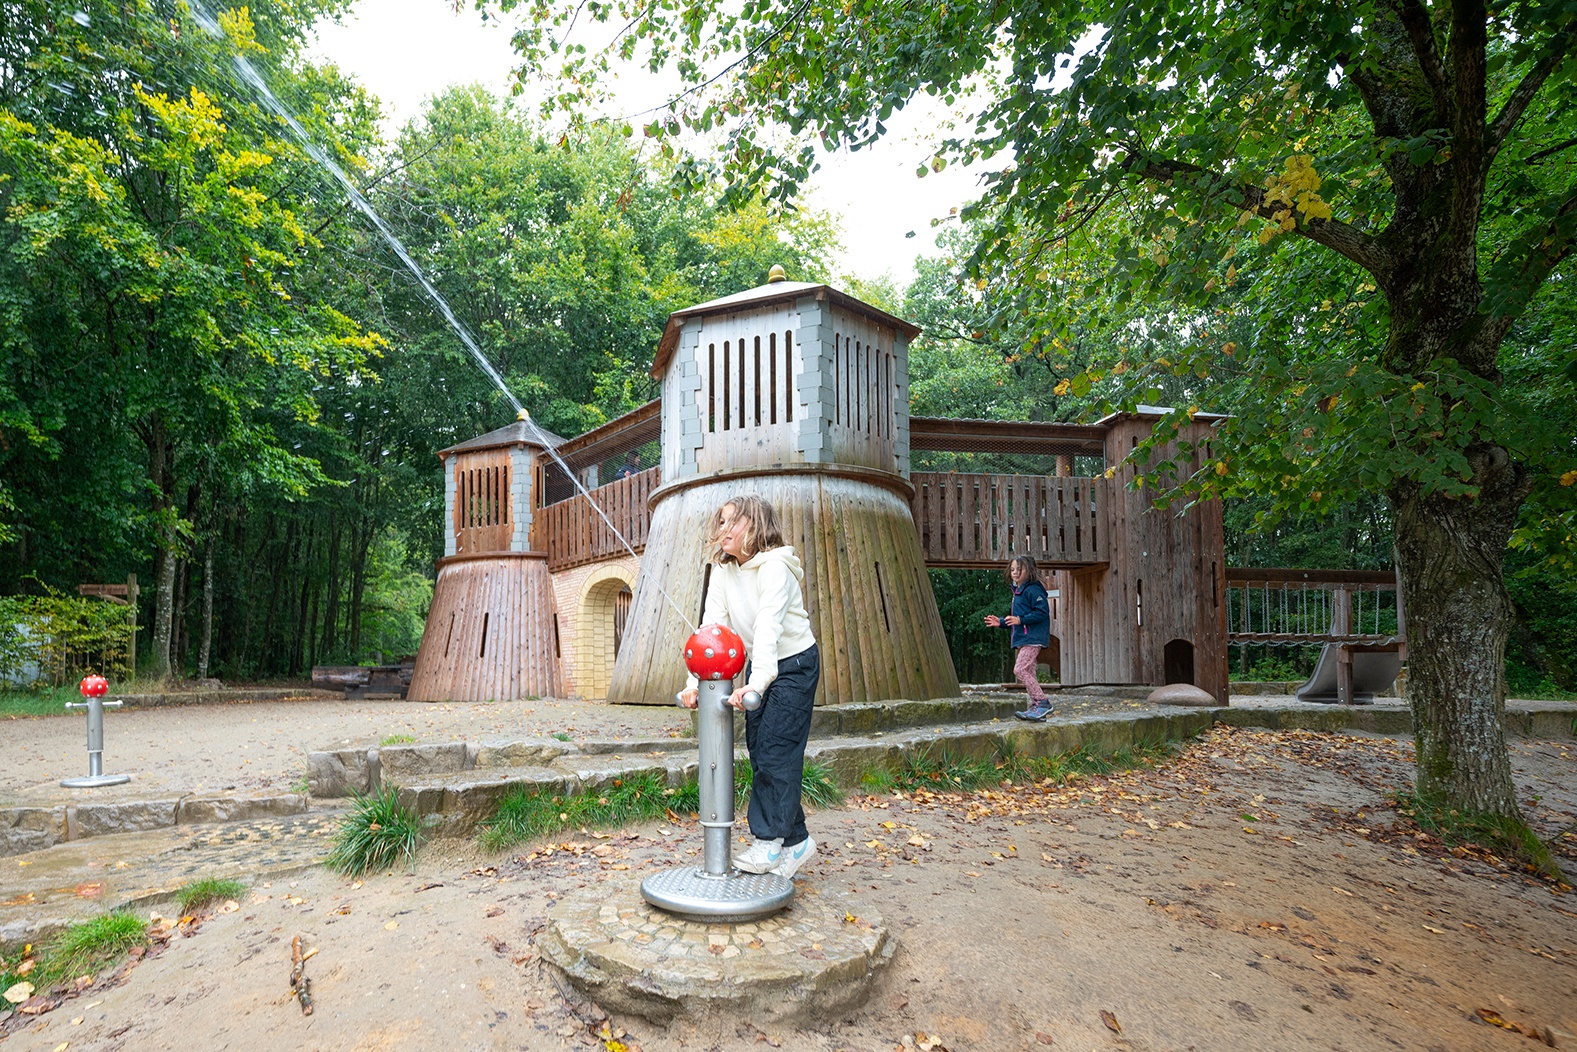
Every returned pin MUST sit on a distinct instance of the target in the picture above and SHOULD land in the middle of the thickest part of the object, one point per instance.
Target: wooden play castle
(800, 393)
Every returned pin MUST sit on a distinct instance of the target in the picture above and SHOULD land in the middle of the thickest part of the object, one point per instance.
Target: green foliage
(206, 891)
(964, 598)
(942, 770)
(530, 814)
(377, 834)
(1505, 835)
(398, 739)
(64, 637)
(82, 949)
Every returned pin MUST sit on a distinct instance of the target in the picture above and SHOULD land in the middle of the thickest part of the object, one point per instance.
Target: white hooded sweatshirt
(764, 602)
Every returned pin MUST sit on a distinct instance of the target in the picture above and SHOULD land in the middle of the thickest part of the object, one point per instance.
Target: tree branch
(1415, 19)
(1342, 238)
(1525, 92)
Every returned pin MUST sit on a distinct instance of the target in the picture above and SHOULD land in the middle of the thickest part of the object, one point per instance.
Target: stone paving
(815, 958)
(42, 891)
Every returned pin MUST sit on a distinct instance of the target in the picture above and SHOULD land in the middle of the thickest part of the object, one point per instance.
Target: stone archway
(604, 607)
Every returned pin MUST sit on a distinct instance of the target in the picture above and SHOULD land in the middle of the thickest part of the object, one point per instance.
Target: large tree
(1420, 149)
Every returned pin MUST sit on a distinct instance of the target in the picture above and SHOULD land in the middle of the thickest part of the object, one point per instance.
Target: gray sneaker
(760, 856)
(793, 858)
(1035, 713)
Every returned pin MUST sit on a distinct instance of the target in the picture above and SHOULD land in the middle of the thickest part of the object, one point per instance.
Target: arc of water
(250, 75)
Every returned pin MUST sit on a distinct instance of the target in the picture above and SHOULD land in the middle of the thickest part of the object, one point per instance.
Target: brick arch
(594, 627)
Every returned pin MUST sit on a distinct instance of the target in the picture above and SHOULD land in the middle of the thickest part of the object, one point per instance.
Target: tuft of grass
(399, 739)
(563, 736)
(1505, 835)
(377, 833)
(207, 891)
(942, 770)
(82, 949)
(530, 814)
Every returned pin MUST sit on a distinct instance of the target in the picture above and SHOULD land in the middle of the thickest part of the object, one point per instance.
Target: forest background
(213, 375)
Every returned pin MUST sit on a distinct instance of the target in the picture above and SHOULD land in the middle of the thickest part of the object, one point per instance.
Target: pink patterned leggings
(1024, 672)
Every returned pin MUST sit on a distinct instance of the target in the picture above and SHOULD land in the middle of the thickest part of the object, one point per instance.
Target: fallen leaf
(90, 890)
(391, 925)
(230, 906)
(1343, 891)
(1044, 1039)
(428, 887)
(26, 966)
(1437, 931)
(1111, 1022)
(19, 993)
(77, 1021)
(496, 911)
(62, 1046)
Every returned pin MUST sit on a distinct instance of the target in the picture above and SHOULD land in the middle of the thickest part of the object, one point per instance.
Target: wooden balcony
(982, 521)
(573, 534)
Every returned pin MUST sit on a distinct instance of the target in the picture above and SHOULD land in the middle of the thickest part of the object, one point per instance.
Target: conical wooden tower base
(866, 589)
(489, 635)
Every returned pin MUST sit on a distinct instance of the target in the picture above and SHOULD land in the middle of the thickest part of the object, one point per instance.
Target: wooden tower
(490, 632)
(1155, 611)
(798, 393)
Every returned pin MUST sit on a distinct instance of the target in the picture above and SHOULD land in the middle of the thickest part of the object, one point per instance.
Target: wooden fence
(573, 534)
(969, 520)
(1278, 606)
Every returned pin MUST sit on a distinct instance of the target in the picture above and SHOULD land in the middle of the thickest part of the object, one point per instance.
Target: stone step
(31, 828)
(50, 888)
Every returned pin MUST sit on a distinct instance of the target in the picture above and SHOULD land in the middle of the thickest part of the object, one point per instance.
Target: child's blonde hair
(763, 535)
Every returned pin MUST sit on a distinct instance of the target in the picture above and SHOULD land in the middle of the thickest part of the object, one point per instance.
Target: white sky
(406, 51)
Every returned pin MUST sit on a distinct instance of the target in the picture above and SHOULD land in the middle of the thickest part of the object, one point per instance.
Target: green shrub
(82, 949)
(377, 833)
(207, 891)
(66, 636)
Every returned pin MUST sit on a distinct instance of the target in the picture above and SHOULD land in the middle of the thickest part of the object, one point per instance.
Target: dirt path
(263, 745)
(1254, 894)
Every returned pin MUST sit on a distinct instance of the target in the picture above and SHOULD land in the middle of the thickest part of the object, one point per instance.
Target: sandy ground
(263, 746)
(1253, 894)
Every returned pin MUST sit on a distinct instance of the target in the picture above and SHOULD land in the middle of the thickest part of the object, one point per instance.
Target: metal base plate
(691, 893)
(95, 781)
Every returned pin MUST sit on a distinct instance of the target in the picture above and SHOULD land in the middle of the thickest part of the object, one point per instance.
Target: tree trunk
(206, 647)
(1448, 554)
(161, 473)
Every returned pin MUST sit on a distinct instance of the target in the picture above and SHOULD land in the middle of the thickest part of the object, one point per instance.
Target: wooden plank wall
(489, 634)
(967, 520)
(483, 521)
(861, 419)
(749, 364)
(866, 590)
(573, 534)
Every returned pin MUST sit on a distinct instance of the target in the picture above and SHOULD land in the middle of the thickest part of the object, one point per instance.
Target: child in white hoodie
(755, 589)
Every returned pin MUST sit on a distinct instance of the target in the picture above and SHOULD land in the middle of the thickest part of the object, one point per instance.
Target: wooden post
(1341, 612)
(1344, 674)
(131, 648)
(1064, 466)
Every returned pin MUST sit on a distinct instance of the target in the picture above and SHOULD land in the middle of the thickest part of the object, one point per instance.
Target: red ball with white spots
(94, 686)
(715, 652)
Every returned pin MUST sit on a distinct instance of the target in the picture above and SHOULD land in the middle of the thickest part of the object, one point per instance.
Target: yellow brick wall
(583, 602)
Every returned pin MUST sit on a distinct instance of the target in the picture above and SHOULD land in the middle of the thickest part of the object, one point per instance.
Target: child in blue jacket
(1030, 622)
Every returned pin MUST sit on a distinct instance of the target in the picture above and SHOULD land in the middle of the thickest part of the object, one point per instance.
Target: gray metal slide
(1371, 674)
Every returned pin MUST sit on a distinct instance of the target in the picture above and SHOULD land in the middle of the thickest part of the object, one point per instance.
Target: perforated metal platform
(689, 892)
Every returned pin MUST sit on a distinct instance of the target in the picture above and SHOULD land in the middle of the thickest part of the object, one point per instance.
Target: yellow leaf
(391, 925)
(19, 993)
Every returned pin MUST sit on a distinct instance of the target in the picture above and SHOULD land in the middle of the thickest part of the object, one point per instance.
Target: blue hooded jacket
(1033, 610)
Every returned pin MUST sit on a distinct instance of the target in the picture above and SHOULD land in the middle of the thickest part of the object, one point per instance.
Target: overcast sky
(406, 51)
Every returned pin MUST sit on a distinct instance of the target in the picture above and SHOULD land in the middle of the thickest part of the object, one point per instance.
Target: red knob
(715, 652)
(94, 686)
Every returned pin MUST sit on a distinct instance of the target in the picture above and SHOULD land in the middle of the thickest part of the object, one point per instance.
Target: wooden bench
(365, 681)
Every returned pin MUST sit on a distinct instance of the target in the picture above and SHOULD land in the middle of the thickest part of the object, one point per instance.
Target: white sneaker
(760, 856)
(792, 858)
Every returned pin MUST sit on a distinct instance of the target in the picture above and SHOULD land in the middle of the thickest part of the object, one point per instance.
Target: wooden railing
(985, 520)
(574, 534)
(1285, 606)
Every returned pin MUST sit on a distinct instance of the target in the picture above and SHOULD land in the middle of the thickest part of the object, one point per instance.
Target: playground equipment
(93, 688)
(717, 891)
(799, 393)
(490, 631)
